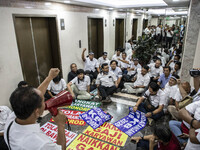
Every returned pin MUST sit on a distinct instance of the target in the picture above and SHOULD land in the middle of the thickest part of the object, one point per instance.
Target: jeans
(157, 116)
(175, 127)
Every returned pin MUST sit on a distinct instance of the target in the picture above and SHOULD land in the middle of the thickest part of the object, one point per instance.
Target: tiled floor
(119, 108)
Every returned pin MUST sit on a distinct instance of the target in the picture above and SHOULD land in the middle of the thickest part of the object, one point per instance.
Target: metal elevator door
(36, 44)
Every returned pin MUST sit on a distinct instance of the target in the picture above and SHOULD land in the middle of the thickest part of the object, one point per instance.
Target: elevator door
(38, 47)
(95, 36)
(134, 29)
(119, 33)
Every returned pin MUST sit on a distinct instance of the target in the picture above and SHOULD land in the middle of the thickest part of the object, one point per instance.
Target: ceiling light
(47, 4)
(110, 8)
(67, 2)
(176, 0)
(96, 9)
(28, 7)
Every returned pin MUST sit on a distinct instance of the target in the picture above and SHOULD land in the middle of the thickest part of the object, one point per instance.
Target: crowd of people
(162, 92)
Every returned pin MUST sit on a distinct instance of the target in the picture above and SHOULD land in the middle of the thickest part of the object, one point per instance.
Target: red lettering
(106, 147)
(94, 142)
(86, 140)
(87, 132)
(120, 143)
(106, 132)
(114, 135)
(109, 139)
(119, 136)
(96, 135)
(81, 138)
(100, 145)
(113, 148)
(80, 146)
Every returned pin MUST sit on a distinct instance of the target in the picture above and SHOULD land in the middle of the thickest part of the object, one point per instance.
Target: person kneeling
(153, 105)
(106, 83)
(162, 139)
(139, 82)
(80, 86)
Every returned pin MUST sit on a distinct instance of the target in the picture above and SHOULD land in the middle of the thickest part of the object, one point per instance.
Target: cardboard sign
(95, 117)
(83, 142)
(93, 93)
(131, 124)
(77, 108)
(87, 104)
(109, 133)
(51, 131)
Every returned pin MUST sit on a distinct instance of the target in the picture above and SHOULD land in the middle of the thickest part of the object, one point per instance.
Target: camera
(194, 73)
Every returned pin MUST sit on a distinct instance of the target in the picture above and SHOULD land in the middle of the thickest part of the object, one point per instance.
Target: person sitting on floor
(161, 139)
(191, 115)
(172, 62)
(123, 63)
(73, 73)
(117, 56)
(79, 87)
(106, 83)
(132, 70)
(118, 73)
(176, 69)
(55, 86)
(103, 59)
(131, 56)
(140, 81)
(91, 65)
(21, 130)
(156, 70)
(153, 106)
(165, 77)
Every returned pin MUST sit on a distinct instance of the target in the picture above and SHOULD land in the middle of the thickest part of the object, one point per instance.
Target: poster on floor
(131, 124)
(51, 131)
(95, 117)
(73, 117)
(109, 133)
(83, 142)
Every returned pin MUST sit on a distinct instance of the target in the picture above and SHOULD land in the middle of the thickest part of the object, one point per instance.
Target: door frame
(137, 27)
(38, 16)
(95, 17)
(124, 28)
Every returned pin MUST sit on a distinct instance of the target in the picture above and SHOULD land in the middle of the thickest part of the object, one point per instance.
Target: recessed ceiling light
(47, 4)
(96, 9)
(110, 8)
(28, 7)
(67, 2)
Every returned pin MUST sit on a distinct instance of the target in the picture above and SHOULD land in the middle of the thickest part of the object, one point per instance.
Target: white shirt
(106, 80)
(27, 137)
(91, 65)
(166, 56)
(196, 97)
(147, 31)
(82, 84)
(115, 57)
(57, 88)
(141, 80)
(156, 100)
(158, 30)
(194, 109)
(155, 72)
(170, 92)
(101, 61)
(172, 65)
(130, 57)
(169, 34)
(132, 72)
(123, 65)
(117, 72)
(4, 113)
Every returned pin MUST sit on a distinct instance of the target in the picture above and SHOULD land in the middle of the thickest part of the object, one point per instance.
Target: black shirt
(71, 76)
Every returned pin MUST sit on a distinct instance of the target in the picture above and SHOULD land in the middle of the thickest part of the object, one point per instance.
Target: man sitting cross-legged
(106, 83)
(152, 103)
(139, 82)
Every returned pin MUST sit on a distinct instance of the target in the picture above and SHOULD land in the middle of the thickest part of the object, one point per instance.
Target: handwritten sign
(83, 142)
(109, 133)
(51, 131)
(131, 124)
(87, 104)
(95, 117)
(73, 117)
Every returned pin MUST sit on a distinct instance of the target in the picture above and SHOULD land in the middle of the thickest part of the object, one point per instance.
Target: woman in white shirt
(80, 86)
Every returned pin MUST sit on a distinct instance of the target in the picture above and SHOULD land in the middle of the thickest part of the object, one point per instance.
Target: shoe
(124, 90)
(118, 90)
(150, 122)
(107, 100)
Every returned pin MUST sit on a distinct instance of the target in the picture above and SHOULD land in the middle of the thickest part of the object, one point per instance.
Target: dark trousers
(47, 96)
(144, 145)
(143, 109)
(169, 42)
(121, 84)
(3, 145)
(124, 71)
(127, 78)
(106, 91)
(91, 74)
(158, 38)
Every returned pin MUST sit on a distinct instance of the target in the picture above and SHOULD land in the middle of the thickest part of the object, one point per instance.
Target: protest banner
(131, 124)
(83, 142)
(51, 131)
(95, 117)
(73, 117)
(109, 133)
(87, 104)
